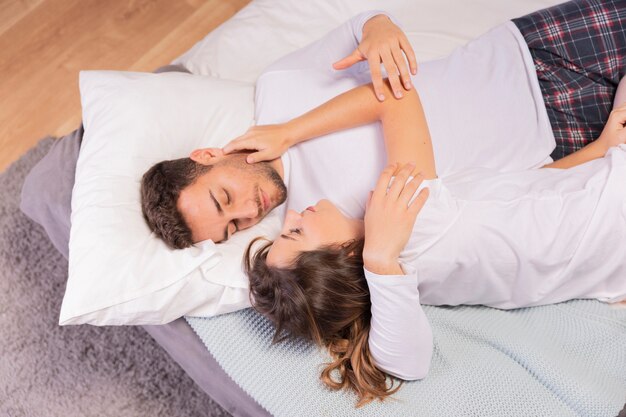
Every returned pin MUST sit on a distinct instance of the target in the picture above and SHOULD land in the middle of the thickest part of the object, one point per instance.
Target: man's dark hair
(160, 187)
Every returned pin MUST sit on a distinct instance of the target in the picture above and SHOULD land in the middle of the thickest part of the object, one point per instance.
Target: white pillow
(133, 120)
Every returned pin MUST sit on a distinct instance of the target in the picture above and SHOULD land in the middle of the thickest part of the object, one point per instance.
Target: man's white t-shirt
(482, 104)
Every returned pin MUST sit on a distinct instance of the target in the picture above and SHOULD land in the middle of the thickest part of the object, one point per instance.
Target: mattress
(564, 359)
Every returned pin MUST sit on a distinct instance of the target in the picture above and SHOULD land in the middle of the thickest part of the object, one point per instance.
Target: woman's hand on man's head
(269, 142)
(385, 42)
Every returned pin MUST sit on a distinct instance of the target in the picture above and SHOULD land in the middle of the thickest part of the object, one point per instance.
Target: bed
(562, 360)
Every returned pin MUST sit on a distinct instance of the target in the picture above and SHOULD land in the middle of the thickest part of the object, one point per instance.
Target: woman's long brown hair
(322, 297)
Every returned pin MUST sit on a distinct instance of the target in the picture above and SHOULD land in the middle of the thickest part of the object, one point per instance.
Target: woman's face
(316, 226)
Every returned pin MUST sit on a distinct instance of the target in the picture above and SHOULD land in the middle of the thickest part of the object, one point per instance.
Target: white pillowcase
(133, 120)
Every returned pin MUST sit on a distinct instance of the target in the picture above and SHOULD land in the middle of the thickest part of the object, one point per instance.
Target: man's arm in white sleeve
(400, 338)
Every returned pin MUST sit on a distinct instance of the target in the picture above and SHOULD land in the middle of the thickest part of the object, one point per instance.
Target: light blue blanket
(567, 359)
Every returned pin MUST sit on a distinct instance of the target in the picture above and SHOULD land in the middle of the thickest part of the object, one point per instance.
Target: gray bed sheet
(46, 199)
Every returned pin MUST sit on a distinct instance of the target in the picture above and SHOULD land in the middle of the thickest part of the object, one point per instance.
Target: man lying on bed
(494, 114)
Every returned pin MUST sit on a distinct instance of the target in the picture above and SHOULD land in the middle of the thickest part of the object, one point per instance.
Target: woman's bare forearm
(355, 107)
(404, 124)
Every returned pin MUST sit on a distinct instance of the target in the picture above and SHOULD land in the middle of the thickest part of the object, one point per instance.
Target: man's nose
(247, 210)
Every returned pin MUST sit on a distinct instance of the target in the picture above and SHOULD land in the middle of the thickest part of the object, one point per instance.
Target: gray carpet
(48, 370)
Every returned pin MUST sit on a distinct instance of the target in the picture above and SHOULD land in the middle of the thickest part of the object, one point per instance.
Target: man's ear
(206, 156)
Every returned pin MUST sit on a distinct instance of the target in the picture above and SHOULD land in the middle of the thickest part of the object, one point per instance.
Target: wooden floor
(44, 43)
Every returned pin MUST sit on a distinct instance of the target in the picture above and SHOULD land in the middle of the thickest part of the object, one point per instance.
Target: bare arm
(404, 125)
(355, 107)
(405, 130)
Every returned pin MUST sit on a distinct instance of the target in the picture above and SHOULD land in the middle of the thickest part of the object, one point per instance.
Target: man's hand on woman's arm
(384, 42)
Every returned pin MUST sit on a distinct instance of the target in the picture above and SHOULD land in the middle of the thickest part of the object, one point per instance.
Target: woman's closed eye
(296, 230)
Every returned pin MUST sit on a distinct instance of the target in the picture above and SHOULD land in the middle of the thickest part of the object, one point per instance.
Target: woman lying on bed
(505, 240)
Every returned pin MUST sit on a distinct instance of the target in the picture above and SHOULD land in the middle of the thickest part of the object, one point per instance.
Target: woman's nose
(292, 219)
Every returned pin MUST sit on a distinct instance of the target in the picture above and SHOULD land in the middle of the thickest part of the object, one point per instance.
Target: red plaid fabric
(579, 51)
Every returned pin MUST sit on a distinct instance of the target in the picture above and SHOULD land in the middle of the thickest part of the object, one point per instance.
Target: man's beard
(262, 170)
(267, 171)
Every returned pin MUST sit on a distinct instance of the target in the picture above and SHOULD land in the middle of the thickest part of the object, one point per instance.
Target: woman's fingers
(392, 73)
(235, 144)
(269, 142)
(349, 60)
(256, 157)
(400, 180)
(238, 145)
(419, 201)
(377, 76)
(383, 181)
(402, 68)
(267, 154)
(408, 51)
(394, 62)
(410, 188)
(231, 146)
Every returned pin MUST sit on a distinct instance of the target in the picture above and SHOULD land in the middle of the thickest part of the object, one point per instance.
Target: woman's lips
(311, 208)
